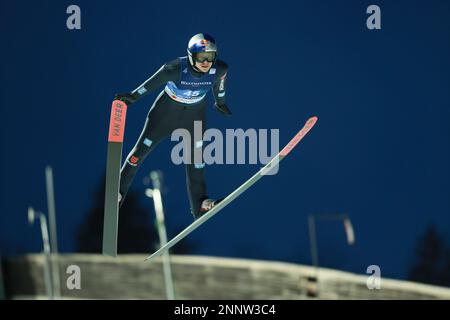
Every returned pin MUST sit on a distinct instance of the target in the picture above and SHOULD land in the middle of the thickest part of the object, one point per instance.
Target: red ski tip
(299, 136)
(117, 121)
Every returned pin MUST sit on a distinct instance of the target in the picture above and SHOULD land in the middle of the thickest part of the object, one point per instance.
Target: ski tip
(151, 256)
(119, 102)
(299, 136)
(313, 119)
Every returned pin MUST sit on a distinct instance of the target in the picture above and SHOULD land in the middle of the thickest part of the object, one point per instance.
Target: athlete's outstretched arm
(168, 72)
(219, 88)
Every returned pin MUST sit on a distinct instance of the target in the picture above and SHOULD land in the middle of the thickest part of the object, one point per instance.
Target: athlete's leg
(157, 127)
(195, 170)
(195, 180)
(145, 144)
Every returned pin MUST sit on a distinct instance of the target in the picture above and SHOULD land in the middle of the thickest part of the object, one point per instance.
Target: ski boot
(207, 205)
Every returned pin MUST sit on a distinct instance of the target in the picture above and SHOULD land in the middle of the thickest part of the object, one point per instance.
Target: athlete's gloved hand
(125, 97)
(223, 109)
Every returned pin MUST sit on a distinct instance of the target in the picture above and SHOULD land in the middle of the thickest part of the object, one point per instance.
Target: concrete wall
(197, 277)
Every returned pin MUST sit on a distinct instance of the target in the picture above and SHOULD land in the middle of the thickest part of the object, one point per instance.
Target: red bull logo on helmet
(204, 42)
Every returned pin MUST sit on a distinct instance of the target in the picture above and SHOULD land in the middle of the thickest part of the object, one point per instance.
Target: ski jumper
(179, 104)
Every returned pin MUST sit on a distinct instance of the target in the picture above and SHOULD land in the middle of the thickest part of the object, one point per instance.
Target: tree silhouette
(432, 263)
(136, 234)
(137, 227)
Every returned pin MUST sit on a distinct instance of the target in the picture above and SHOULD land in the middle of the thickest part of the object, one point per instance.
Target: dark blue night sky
(380, 151)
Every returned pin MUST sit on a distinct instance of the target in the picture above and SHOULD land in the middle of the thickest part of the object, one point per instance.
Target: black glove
(223, 109)
(125, 97)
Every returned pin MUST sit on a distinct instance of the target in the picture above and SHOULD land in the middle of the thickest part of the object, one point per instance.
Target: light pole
(313, 237)
(2, 288)
(32, 216)
(155, 194)
(53, 234)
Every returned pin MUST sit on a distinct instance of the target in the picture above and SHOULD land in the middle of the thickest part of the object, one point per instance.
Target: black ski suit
(177, 106)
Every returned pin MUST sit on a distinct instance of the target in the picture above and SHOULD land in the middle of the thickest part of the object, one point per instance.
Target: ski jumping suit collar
(190, 89)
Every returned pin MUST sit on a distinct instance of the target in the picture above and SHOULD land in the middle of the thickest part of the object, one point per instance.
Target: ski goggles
(205, 56)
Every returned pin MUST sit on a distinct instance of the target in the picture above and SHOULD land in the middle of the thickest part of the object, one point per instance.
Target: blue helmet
(201, 42)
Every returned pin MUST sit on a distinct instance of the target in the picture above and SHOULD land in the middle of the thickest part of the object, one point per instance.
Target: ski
(113, 162)
(263, 171)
